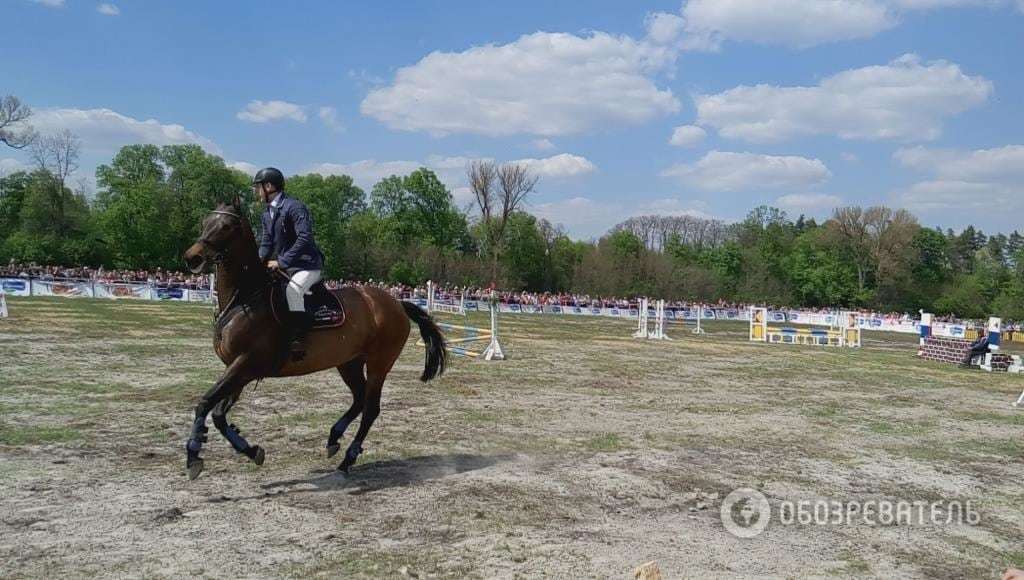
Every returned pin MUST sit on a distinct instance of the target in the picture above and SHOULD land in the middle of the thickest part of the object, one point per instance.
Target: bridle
(218, 253)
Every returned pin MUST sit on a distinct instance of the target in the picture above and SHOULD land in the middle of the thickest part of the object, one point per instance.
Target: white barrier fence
(145, 291)
(98, 289)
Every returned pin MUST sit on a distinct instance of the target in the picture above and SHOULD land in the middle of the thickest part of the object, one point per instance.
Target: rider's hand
(273, 265)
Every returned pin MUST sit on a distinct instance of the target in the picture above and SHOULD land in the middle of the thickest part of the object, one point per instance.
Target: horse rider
(288, 246)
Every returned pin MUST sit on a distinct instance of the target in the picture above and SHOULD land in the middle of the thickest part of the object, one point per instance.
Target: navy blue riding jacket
(288, 234)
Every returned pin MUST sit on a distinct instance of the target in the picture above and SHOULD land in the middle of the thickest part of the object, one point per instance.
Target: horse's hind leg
(220, 419)
(377, 368)
(354, 375)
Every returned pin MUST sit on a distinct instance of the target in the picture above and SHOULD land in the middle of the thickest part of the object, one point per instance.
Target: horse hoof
(259, 456)
(194, 469)
(332, 450)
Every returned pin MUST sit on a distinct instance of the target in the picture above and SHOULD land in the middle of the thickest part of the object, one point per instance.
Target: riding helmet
(270, 175)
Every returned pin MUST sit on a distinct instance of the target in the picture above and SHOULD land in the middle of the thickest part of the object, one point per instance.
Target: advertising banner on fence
(141, 291)
(48, 288)
(199, 296)
(169, 294)
(15, 286)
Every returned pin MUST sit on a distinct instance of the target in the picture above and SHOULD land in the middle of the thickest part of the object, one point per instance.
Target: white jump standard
(434, 306)
(643, 321)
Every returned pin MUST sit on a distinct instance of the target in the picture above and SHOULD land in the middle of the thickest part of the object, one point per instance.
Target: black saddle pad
(321, 303)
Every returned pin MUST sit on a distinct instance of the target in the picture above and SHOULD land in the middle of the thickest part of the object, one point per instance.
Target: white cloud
(948, 195)
(849, 157)
(463, 195)
(545, 84)
(580, 214)
(687, 136)
(562, 165)
(267, 111)
(999, 164)
(809, 202)
(984, 180)
(903, 100)
(50, 3)
(9, 166)
(450, 170)
(329, 116)
(244, 166)
(802, 23)
(106, 130)
(367, 172)
(586, 217)
(546, 144)
(932, 4)
(725, 171)
(794, 23)
(108, 9)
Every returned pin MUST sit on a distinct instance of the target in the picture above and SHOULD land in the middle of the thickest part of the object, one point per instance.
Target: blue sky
(706, 107)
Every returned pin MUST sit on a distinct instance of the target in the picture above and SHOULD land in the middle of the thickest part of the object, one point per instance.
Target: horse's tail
(437, 350)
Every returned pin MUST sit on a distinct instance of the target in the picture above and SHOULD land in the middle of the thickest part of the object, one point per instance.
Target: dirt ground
(585, 454)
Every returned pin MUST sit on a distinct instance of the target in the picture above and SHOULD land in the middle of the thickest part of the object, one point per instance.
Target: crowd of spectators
(450, 293)
(159, 277)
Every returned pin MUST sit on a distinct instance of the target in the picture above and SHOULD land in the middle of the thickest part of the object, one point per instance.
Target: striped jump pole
(464, 345)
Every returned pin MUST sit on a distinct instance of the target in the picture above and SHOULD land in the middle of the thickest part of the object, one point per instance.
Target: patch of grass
(1014, 558)
(902, 428)
(311, 419)
(828, 411)
(1003, 447)
(375, 564)
(606, 442)
(37, 434)
(853, 565)
(992, 417)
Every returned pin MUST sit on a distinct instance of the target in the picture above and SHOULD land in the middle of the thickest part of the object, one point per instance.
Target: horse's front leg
(255, 453)
(236, 376)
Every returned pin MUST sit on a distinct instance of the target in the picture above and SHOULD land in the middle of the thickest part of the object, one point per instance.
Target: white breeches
(300, 284)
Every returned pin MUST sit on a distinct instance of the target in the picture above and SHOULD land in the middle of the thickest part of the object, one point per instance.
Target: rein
(218, 258)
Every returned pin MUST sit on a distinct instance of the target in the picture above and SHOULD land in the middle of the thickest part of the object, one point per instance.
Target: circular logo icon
(745, 512)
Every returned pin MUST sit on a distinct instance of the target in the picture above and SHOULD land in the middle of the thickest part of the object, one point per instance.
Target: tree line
(407, 229)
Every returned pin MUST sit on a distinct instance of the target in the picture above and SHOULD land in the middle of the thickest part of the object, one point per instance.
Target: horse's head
(222, 229)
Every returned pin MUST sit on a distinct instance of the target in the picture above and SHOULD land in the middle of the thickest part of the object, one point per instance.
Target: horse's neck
(239, 276)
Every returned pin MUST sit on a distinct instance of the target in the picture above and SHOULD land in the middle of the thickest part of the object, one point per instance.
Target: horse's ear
(237, 202)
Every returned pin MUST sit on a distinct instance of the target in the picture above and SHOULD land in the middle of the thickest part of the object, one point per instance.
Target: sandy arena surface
(584, 455)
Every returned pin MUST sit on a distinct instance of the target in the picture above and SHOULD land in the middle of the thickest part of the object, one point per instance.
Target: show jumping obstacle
(643, 321)
(434, 306)
(3, 304)
(679, 320)
(473, 334)
(843, 331)
(956, 350)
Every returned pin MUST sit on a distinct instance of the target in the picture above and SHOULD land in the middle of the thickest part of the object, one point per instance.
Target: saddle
(322, 304)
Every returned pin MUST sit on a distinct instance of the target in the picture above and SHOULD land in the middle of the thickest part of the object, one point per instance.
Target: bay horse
(251, 342)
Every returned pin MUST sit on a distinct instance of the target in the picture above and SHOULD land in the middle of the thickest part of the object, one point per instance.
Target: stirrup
(297, 350)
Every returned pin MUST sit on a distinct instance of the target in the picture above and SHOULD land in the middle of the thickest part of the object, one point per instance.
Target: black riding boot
(300, 323)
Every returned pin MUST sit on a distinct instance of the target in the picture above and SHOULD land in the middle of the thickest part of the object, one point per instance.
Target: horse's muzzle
(195, 259)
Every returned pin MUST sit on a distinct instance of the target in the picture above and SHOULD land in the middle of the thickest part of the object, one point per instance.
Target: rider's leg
(300, 322)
